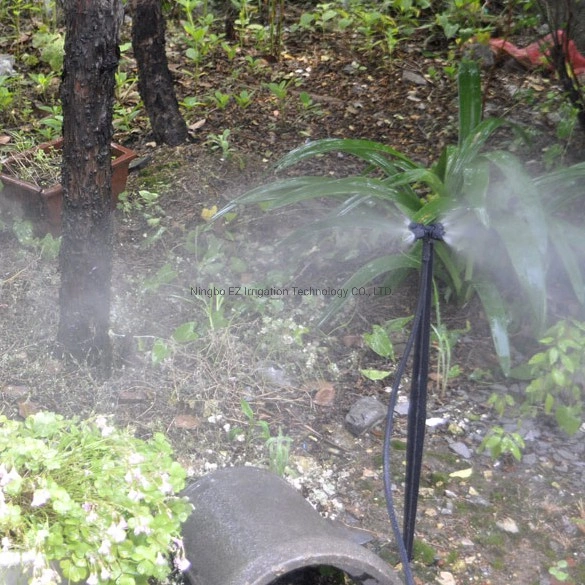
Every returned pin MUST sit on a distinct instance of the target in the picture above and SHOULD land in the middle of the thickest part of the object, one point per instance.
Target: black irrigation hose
(419, 337)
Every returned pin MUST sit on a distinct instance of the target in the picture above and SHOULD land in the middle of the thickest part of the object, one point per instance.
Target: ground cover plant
(187, 364)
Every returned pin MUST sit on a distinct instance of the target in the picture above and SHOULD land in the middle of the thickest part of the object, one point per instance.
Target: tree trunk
(155, 83)
(85, 260)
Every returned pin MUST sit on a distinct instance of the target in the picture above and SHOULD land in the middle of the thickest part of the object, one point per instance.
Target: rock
(402, 406)
(446, 578)
(508, 525)
(364, 414)
(132, 396)
(413, 77)
(461, 449)
(6, 64)
(275, 377)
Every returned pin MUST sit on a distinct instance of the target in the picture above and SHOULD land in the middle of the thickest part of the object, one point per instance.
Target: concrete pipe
(250, 527)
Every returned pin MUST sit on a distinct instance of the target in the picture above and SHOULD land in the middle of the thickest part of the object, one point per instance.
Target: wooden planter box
(43, 205)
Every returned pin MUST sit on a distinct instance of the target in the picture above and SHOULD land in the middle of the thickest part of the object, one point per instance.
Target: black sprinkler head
(433, 231)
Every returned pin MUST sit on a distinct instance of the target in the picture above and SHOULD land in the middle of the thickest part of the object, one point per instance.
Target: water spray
(420, 339)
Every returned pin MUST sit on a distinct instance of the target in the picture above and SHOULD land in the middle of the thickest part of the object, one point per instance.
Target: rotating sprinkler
(420, 340)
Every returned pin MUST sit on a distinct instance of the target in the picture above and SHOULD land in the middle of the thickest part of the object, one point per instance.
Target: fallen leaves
(462, 473)
(208, 213)
(325, 395)
(186, 421)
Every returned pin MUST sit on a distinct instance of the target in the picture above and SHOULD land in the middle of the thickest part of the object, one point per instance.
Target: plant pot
(16, 568)
(43, 205)
(251, 527)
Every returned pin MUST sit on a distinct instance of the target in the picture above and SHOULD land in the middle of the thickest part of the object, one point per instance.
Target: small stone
(508, 525)
(6, 64)
(275, 376)
(446, 578)
(15, 391)
(461, 449)
(132, 396)
(364, 414)
(413, 77)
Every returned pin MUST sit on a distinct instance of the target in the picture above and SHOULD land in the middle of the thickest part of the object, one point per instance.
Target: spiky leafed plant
(500, 203)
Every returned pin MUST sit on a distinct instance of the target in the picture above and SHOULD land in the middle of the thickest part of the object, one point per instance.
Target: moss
(424, 553)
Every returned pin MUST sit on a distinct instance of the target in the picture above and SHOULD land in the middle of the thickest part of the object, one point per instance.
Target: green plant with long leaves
(502, 208)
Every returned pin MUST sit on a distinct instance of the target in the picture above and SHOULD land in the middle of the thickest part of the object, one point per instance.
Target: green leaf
(548, 403)
(185, 332)
(160, 351)
(374, 153)
(470, 98)
(497, 316)
(567, 419)
(569, 242)
(379, 342)
(558, 377)
(247, 410)
(375, 374)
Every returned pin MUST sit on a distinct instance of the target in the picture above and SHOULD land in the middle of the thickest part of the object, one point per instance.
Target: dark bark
(155, 83)
(85, 261)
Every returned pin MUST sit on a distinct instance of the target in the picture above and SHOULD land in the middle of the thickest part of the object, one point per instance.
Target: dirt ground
(495, 522)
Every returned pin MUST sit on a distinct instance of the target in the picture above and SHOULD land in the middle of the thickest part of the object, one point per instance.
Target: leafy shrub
(558, 375)
(518, 218)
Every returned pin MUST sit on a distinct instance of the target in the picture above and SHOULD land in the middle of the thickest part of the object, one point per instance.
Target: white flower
(92, 579)
(182, 563)
(117, 532)
(105, 546)
(166, 487)
(7, 476)
(101, 422)
(142, 525)
(41, 536)
(40, 497)
(105, 574)
(6, 544)
(160, 560)
(92, 517)
(135, 496)
(135, 459)
(47, 577)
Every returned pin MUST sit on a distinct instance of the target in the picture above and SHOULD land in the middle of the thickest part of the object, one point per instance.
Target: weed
(145, 202)
(42, 82)
(38, 167)
(51, 47)
(500, 402)
(244, 98)
(221, 100)
(253, 427)
(499, 442)
(278, 448)
(444, 340)
(200, 39)
(379, 341)
(221, 142)
(557, 375)
(559, 571)
(48, 247)
(6, 95)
